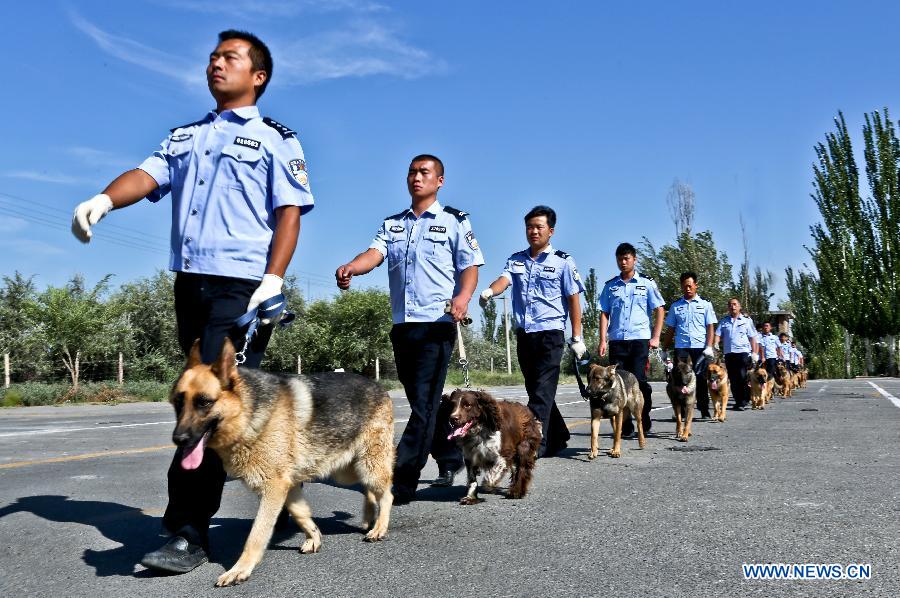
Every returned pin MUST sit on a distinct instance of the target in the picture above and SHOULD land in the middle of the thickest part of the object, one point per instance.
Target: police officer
(796, 357)
(769, 349)
(738, 338)
(433, 258)
(239, 185)
(626, 305)
(694, 321)
(785, 347)
(545, 290)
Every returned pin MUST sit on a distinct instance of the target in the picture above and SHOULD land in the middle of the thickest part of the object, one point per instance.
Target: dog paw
(642, 443)
(375, 536)
(470, 500)
(592, 456)
(615, 454)
(233, 576)
(312, 545)
(681, 439)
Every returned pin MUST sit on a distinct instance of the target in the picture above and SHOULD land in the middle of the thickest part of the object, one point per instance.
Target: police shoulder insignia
(575, 274)
(397, 216)
(458, 213)
(298, 171)
(284, 131)
(561, 254)
(611, 280)
(187, 126)
(472, 241)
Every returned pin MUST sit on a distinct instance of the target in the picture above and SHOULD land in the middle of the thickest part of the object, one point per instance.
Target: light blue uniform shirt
(541, 288)
(770, 344)
(736, 334)
(786, 352)
(690, 319)
(227, 174)
(425, 257)
(795, 356)
(629, 305)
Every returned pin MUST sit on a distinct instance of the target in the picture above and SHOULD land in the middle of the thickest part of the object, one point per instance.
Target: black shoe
(627, 428)
(403, 495)
(738, 408)
(182, 553)
(556, 448)
(444, 480)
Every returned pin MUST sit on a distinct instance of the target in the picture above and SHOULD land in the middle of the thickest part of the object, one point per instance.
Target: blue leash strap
(269, 309)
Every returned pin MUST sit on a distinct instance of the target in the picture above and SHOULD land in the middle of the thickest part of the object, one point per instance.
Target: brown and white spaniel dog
(495, 437)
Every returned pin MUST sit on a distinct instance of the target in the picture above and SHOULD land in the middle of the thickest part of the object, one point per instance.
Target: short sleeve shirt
(629, 305)
(541, 288)
(690, 319)
(736, 334)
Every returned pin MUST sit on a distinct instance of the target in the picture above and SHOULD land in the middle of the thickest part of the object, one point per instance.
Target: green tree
(696, 253)
(815, 327)
(489, 327)
(17, 331)
(856, 247)
(590, 318)
(75, 324)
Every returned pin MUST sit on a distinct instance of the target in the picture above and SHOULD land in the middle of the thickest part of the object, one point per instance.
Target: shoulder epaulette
(561, 254)
(645, 277)
(284, 131)
(196, 122)
(458, 213)
(396, 216)
(610, 280)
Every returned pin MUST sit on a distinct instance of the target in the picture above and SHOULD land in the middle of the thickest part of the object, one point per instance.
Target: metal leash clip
(270, 309)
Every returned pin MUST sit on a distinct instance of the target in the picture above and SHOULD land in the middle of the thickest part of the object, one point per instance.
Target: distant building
(781, 321)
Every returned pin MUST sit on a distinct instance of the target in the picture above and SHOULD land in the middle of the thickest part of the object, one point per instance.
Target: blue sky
(591, 107)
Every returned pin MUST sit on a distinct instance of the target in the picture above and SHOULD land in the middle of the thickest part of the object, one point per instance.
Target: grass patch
(32, 394)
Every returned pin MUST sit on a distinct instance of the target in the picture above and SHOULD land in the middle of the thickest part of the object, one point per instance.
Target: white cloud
(99, 158)
(274, 8)
(45, 177)
(177, 68)
(11, 224)
(362, 48)
(365, 48)
(31, 247)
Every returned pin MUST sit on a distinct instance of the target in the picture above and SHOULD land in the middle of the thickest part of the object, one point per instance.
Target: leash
(463, 360)
(269, 309)
(575, 363)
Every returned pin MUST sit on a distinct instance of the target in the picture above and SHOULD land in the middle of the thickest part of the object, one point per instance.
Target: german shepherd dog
(682, 391)
(614, 394)
(717, 378)
(496, 437)
(277, 431)
(759, 383)
(770, 389)
(783, 380)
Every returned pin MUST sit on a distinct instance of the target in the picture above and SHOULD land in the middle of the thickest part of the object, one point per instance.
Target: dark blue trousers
(422, 353)
(206, 308)
(540, 354)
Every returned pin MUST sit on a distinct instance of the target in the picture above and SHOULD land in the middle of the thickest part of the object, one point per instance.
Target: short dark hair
(784, 334)
(259, 54)
(685, 275)
(626, 249)
(542, 211)
(437, 162)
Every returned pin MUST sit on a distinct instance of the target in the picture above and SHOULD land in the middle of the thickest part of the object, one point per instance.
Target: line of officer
(238, 185)
(433, 257)
(694, 321)
(738, 341)
(785, 346)
(796, 357)
(769, 349)
(546, 289)
(626, 304)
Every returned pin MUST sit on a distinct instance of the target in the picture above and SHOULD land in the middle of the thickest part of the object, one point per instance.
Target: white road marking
(64, 430)
(886, 394)
(823, 388)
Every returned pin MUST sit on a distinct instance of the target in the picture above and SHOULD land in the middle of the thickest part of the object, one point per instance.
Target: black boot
(183, 552)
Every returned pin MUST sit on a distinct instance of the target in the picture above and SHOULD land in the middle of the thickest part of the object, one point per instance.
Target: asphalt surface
(812, 479)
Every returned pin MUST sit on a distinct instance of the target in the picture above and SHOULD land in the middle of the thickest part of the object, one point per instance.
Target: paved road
(812, 479)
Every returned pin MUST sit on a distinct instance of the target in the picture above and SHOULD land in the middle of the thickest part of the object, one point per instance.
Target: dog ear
(225, 367)
(194, 357)
(490, 413)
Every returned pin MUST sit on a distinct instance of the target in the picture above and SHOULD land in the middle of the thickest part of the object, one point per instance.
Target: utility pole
(506, 322)
(6, 370)
(121, 370)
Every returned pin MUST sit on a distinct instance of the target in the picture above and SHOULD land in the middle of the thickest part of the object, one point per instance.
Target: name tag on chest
(246, 142)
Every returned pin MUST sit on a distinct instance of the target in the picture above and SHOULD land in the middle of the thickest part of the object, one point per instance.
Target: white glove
(485, 296)
(87, 214)
(708, 352)
(268, 288)
(578, 348)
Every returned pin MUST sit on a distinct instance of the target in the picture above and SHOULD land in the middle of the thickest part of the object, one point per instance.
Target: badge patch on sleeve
(298, 171)
(575, 274)
(471, 240)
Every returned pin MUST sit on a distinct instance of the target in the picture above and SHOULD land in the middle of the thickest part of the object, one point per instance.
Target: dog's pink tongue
(684, 390)
(715, 386)
(461, 431)
(194, 458)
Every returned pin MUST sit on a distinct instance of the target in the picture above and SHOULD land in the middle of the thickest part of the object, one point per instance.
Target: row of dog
(277, 431)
